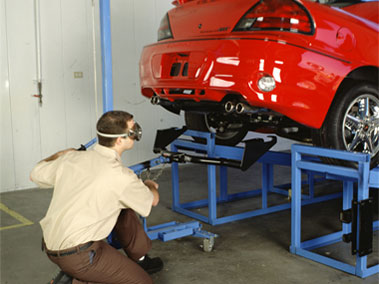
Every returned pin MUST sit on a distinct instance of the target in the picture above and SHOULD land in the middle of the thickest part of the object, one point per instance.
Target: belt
(74, 250)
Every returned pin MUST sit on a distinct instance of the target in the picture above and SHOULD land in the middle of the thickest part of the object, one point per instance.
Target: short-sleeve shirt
(90, 190)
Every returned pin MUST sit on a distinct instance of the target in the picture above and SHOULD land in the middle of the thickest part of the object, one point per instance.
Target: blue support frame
(212, 150)
(365, 179)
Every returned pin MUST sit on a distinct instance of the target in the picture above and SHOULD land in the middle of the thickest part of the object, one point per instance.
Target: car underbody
(233, 114)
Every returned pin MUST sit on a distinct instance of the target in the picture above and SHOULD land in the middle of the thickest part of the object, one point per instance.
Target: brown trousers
(101, 263)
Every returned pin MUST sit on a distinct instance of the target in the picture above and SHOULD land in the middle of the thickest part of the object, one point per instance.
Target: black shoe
(61, 278)
(151, 265)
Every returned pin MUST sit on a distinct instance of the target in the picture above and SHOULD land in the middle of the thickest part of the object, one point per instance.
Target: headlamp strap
(111, 135)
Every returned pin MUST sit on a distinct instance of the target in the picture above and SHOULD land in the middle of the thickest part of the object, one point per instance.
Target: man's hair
(112, 122)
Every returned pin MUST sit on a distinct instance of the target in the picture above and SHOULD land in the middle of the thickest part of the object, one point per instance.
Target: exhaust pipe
(240, 108)
(229, 106)
(243, 108)
(155, 100)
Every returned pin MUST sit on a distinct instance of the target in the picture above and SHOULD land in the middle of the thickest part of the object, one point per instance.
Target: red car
(303, 70)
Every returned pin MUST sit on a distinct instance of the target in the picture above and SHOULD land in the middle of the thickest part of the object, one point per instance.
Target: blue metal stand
(362, 176)
(211, 150)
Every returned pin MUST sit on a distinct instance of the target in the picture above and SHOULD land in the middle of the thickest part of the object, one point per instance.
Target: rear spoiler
(180, 2)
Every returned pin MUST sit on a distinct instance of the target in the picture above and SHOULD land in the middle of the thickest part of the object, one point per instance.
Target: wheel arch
(364, 73)
(361, 74)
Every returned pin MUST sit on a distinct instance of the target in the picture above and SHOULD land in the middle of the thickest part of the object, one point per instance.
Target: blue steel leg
(212, 195)
(175, 182)
(223, 183)
(212, 186)
(106, 54)
(347, 199)
(295, 203)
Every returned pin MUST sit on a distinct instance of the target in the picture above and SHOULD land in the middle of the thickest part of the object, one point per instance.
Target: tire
(352, 123)
(232, 134)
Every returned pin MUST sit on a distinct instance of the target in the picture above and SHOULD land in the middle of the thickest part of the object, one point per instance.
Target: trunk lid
(207, 17)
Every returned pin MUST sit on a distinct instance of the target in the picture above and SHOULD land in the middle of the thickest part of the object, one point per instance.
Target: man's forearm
(156, 197)
(153, 186)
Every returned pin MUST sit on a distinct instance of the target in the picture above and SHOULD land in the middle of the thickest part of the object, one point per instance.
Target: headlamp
(134, 133)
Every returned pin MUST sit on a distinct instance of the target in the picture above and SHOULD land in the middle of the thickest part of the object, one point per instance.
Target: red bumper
(207, 70)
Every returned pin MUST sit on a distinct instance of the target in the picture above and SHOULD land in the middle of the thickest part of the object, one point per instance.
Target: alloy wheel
(360, 129)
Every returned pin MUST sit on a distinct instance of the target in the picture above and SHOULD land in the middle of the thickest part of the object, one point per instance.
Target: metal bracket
(165, 137)
(365, 227)
(346, 216)
(362, 218)
(254, 149)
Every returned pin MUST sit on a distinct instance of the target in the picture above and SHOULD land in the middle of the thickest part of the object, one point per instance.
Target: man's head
(117, 129)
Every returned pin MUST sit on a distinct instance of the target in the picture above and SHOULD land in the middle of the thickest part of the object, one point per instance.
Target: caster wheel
(208, 244)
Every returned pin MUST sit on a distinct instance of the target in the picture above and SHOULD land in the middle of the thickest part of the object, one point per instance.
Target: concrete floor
(254, 250)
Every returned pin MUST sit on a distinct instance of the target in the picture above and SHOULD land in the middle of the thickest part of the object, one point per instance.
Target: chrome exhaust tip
(240, 108)
(155, 100)
(229, 106)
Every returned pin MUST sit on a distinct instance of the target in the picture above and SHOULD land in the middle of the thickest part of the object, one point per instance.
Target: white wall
(20, 142)
(67, 117)
(7, 175)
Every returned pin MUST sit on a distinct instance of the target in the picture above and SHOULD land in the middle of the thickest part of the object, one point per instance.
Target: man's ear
(118, 140)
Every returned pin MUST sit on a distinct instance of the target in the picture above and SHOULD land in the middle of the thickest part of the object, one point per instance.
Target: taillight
(164, 31)
(282, 15)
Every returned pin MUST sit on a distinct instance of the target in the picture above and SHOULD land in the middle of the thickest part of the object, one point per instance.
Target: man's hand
(153, 186)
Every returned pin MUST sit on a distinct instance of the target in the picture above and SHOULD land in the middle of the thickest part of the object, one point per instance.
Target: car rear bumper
(207, 70)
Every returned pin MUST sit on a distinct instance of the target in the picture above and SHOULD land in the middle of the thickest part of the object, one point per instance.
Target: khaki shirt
(90, 190)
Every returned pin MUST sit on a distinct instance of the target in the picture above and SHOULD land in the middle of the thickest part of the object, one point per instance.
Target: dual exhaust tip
(239, 108)
(229, 106)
